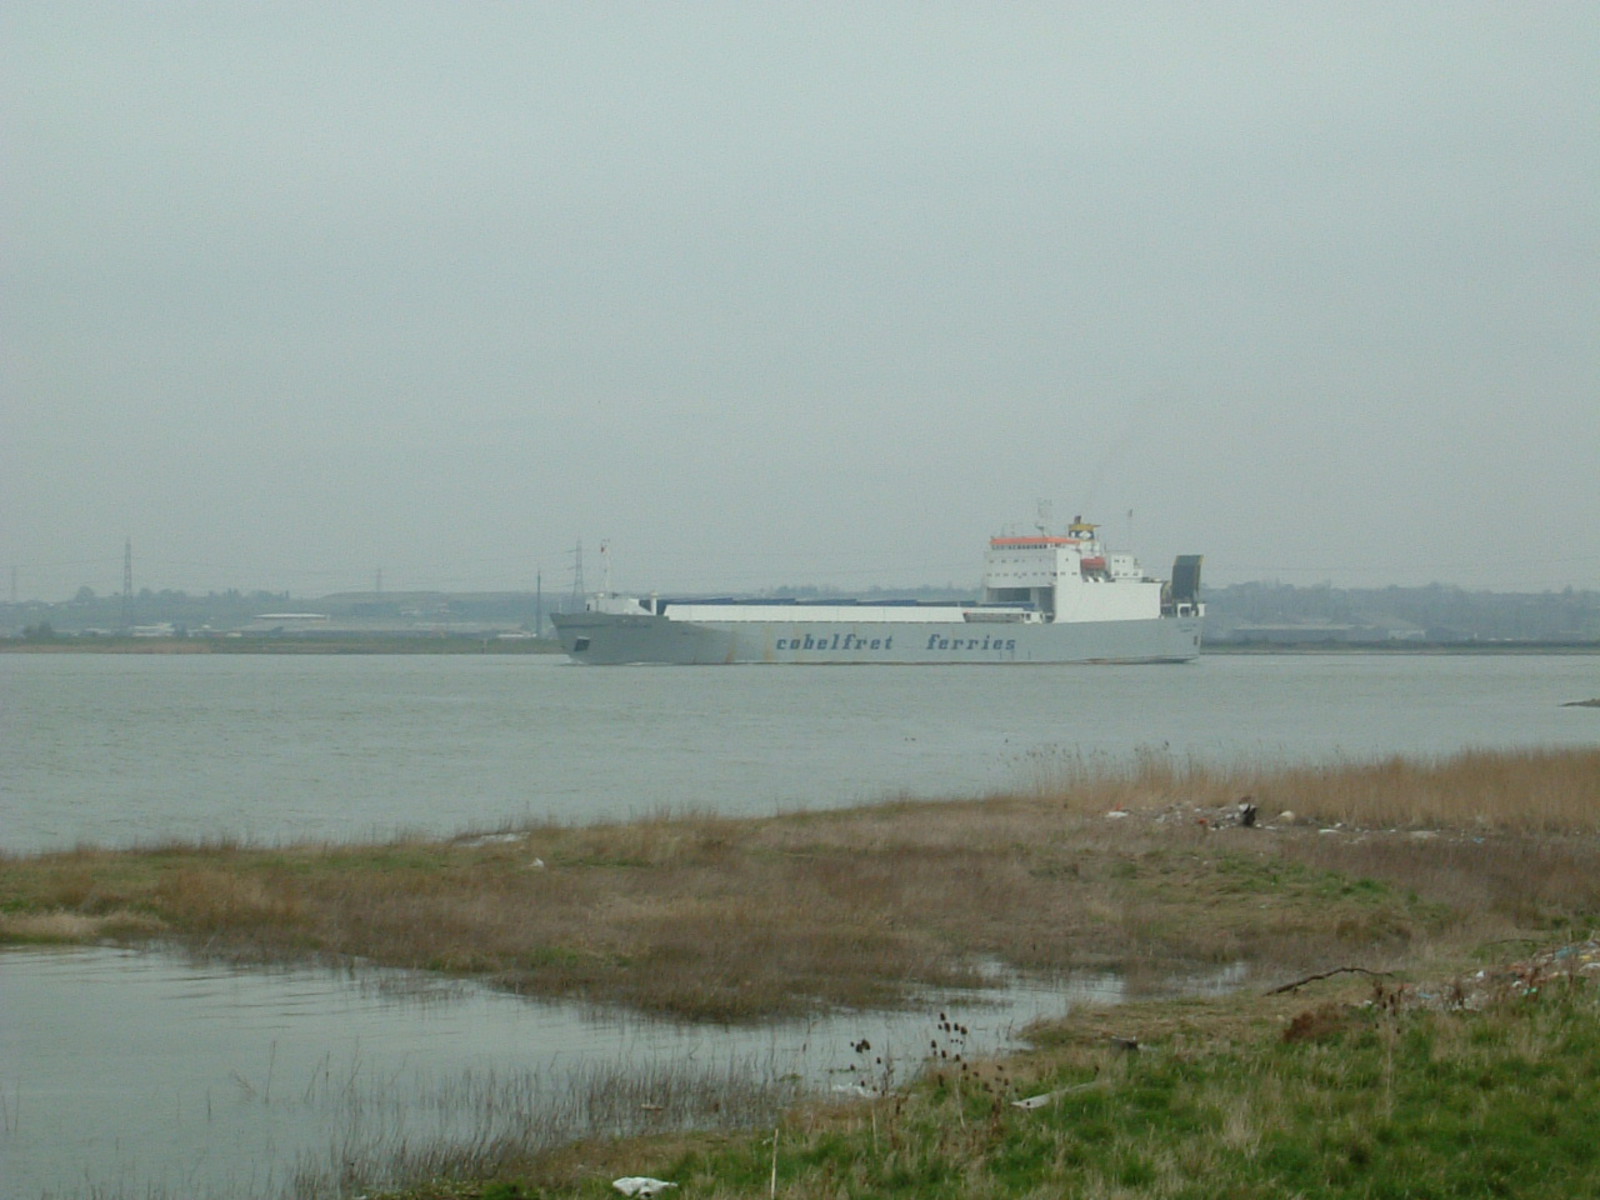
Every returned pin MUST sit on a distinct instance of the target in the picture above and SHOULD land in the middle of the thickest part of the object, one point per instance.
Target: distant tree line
(90, 610)
(234, 609)
(1437, 612)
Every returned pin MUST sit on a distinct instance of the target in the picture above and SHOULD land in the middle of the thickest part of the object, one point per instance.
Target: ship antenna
(577, 576)
(1046, 517)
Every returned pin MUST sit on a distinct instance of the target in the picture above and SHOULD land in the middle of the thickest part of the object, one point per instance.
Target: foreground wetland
(1412, 1067)
(1147, 868)
(206, 860)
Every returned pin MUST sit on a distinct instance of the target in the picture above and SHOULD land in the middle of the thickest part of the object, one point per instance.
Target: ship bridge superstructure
(1070, 577)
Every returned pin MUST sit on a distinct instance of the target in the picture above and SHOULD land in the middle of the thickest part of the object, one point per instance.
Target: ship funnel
(1186, 578)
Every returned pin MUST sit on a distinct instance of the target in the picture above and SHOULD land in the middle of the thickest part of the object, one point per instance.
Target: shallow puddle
(143, 1074)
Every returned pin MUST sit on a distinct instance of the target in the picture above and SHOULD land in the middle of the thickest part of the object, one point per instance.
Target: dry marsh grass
(57, 926)
(1538, 790)
(710, 917)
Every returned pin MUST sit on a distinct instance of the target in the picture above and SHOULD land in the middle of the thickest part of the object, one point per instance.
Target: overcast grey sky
(770, 293)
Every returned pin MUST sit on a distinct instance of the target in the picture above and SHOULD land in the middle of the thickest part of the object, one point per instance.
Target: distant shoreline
(468, 644)
(1400, 648)
(249, 644)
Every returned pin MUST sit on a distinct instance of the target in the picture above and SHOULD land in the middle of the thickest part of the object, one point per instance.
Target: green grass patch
(1495, 1103)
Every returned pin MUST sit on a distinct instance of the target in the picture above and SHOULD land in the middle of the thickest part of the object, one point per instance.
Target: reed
(491, 1123)
(1540, 790)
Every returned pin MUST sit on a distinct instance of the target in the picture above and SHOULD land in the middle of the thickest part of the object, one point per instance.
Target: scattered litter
(857, 1089)
(1038, 1101)
(1571, 965)
(1250, 813)
(537, 864)
(641, 1185)
(1577, 962)
(1044, 1098)
(1245, 814)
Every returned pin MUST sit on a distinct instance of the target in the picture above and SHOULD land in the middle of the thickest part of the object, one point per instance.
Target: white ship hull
(614, 639)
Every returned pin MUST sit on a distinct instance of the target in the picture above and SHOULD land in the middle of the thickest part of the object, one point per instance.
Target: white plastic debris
(1044, 1098)
(1038, 1101)
(857, 1089)
(641, 1185)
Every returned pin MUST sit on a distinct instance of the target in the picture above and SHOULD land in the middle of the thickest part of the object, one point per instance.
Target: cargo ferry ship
(1049, 598)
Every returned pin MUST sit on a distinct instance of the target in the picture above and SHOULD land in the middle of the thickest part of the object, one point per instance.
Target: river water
(146, 1074)
(127, 749)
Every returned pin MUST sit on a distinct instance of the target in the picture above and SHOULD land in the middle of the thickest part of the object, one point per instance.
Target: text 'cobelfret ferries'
(849, 641)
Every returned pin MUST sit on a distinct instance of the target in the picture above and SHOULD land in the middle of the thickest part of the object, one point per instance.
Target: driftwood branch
(1300, 983)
